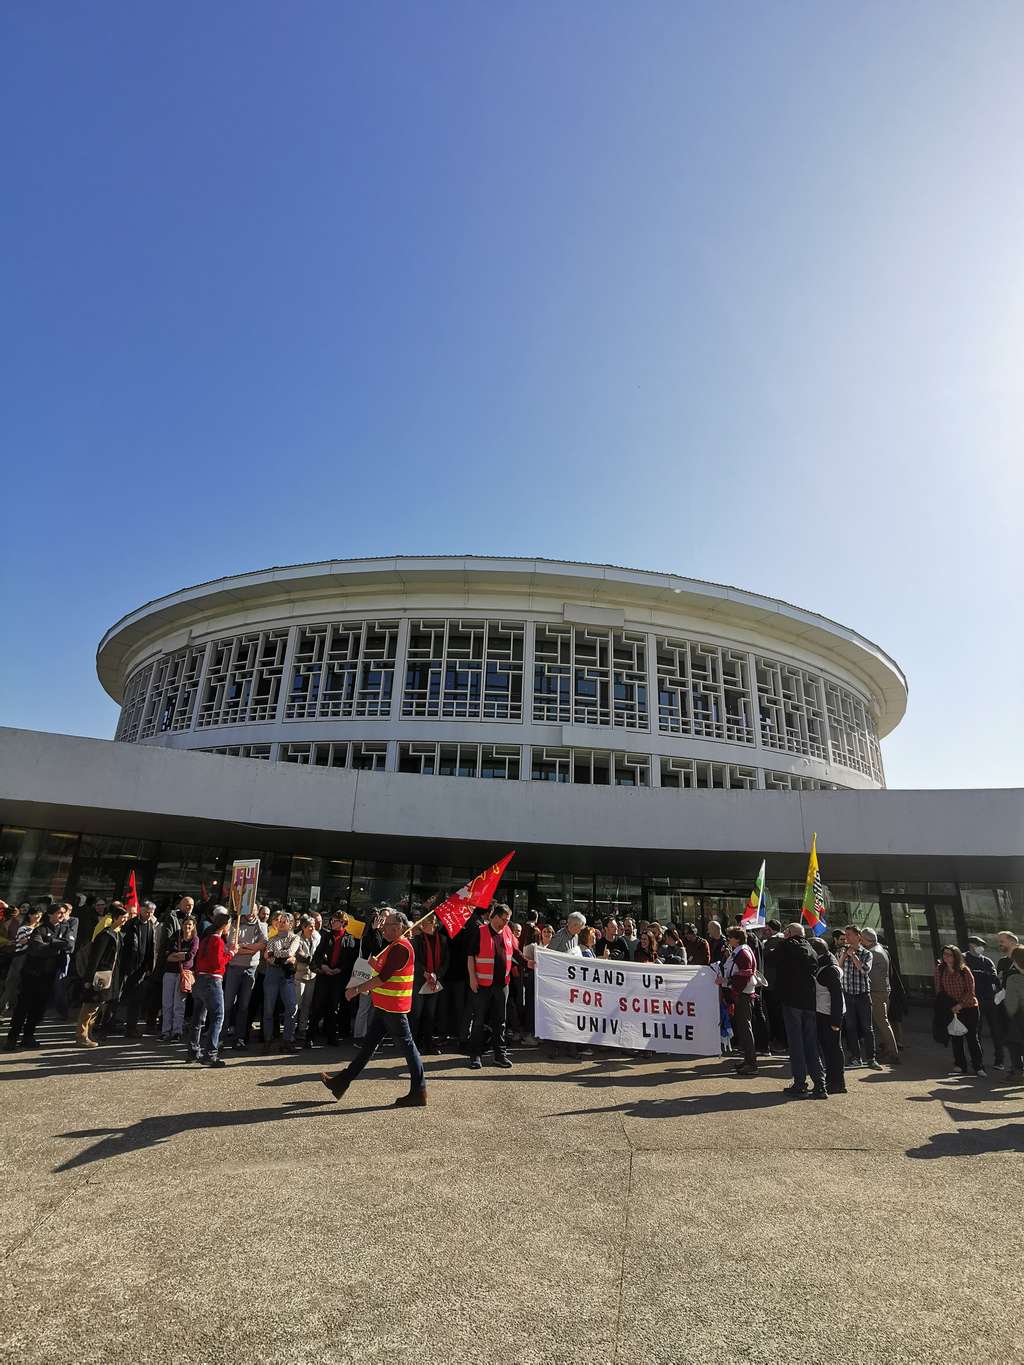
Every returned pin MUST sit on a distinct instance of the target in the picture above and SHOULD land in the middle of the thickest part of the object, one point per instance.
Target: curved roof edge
(860, 653)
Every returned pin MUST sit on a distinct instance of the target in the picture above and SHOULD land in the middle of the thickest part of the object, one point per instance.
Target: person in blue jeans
(211, 960)
(279, 982)
(240, 978)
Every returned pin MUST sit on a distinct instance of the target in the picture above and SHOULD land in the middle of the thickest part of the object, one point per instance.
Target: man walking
(795, 970)
(390, 991)
(855, 966)
(490, 965)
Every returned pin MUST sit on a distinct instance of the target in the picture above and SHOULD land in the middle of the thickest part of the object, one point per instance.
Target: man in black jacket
(49, 949)
(141, 952)
(795, 970)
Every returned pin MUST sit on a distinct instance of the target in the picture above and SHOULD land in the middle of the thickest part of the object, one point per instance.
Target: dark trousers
(460, 1010)
(328, 993)
(776, 1023)
(136, 999)
(831, 1050)
(424, 1013)
(489, 1006)
(860, 1032)
(516, 1013)
(742, 1028)
(33, 997)
(967, 1042)
(802, 1037)
(530, 1018)
(993, 1020)
(397, 1027)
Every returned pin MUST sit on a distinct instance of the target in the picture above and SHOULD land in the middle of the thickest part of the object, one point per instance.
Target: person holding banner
(490, 966)
(390, 991)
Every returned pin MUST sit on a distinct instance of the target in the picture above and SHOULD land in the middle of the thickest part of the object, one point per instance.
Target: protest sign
(635, 1005)
(245, 875)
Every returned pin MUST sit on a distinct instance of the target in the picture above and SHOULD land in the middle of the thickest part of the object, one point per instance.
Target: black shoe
(475, 1064)
(239, 1045)
(337, 1085)
(416, 1099)
(838, 1090)
(431, 1050)
(746, 1071)
(798, 1091)
(11, 1043)
(503, 1062)
(307, 1044)
(31, 1042)
(213, 1061)
(819, 1093)
(333, 1042)
(191, 1055)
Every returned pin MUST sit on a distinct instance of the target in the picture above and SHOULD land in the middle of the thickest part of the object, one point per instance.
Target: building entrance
(921, 926)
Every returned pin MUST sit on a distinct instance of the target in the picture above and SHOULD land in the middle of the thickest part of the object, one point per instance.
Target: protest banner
(636, 1005)
(245, 874)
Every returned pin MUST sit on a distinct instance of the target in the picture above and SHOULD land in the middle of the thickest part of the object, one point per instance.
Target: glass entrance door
(920, 928)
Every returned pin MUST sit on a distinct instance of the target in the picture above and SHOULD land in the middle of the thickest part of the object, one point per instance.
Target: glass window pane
(34, 863)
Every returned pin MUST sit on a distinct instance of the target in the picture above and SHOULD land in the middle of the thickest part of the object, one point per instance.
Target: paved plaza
(607, 1210)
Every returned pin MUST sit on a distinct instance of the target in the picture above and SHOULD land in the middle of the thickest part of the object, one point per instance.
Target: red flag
(131, 899)
(455, 912)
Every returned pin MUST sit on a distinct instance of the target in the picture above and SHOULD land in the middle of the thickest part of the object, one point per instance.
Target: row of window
(457, 669)
(589, 767)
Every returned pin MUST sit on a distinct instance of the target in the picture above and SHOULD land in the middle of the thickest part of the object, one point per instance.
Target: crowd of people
(196, 976)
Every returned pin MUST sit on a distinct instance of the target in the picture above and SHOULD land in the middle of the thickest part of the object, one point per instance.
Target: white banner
(636, 1005)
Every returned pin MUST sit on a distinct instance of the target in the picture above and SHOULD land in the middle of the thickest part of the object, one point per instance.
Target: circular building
(514, 669)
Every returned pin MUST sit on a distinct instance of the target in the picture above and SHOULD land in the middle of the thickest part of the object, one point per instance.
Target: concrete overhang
(65, 783)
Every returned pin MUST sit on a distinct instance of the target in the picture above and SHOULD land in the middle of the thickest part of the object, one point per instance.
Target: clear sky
(734, 291)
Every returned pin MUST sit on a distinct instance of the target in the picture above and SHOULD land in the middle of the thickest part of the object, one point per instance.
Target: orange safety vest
(395, 994)
(485, 957)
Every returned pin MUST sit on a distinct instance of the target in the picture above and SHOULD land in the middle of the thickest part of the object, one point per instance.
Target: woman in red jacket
(211, 960)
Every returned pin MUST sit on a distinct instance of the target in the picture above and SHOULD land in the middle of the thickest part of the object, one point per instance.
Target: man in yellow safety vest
(390, 989)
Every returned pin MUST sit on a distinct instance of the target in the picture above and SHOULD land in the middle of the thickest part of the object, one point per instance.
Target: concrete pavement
(609, 1210)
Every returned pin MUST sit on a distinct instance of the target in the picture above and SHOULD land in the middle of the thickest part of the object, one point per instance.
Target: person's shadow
(970, 1141)
(153, 1132)
(685, 1107)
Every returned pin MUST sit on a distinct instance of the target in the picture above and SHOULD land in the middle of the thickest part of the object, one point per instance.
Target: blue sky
(734, 291)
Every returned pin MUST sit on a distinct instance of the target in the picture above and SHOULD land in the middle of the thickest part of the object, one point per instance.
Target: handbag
(186, 980)
(955, 1028)
(102, 981)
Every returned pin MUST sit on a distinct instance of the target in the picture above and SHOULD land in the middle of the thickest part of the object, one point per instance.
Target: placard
(245, 876)
(636, 1005)
(361, 972)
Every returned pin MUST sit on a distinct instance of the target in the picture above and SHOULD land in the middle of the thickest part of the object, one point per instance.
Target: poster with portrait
(245, 876)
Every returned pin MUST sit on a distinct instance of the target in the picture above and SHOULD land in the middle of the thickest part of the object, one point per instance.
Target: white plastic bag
(956, 1029)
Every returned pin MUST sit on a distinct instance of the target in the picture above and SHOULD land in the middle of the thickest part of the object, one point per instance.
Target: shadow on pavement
(972, 1142)
(686, 1107)
(153, 1132)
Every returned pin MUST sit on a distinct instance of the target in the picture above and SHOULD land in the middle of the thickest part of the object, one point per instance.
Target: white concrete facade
(66, 782)
(524, 669)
